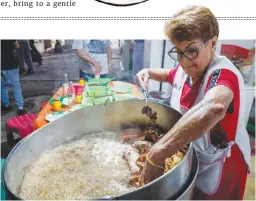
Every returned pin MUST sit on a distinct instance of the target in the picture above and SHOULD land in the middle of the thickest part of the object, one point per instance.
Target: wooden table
(48, 108)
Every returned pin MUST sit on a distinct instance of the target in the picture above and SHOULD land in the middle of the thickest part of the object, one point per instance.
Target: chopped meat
(150, 113)
(151, 133)
(142, 146)
(131, 135)
(131, 155)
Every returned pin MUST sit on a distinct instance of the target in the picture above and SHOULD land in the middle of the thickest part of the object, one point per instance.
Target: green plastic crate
(97, 84)
(98, 81)
(88, 101)
(97, 88)
(121, 97)
(122, 89)
(94, 91)
(97, 93)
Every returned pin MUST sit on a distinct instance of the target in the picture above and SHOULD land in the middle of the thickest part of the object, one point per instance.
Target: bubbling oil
(87, 168)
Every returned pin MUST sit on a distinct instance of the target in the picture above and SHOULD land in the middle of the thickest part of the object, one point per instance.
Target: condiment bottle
(56, 105)
(81, 81)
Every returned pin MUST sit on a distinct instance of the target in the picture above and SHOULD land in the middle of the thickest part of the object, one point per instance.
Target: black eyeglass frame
(184, 53)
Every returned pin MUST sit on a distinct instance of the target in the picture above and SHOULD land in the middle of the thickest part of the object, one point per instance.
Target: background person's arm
(78, 46)
(109, 53)
(197, 121)
(80, 53)
(16, 44)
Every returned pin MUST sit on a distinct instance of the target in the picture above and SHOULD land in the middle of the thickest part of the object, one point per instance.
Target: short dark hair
(194, 22)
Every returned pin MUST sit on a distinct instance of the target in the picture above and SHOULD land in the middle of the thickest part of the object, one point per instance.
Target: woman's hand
(150, 173)
(142, 78)
(154, 164)
(158, 74)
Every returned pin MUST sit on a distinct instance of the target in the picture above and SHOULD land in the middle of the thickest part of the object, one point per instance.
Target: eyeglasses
(191, 53)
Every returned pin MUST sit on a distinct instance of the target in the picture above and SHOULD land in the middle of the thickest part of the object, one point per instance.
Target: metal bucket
(109, 117)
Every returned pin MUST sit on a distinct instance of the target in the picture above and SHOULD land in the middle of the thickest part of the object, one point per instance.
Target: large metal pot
(97, 119)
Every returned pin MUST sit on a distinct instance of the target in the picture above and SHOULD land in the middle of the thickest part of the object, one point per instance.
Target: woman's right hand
(142, 78)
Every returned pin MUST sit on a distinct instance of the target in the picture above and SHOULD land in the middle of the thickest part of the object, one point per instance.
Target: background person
(10, 76)
(95, 57)
(24, 56)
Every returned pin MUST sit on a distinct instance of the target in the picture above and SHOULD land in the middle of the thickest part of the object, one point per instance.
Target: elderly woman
(209, 91)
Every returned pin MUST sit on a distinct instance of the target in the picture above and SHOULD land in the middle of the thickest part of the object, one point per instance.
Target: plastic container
(65, 84)
(94, 91)
(89, 101)
(56, 105)
(97, 75)
(79, 89)
(71, 92)
(81, 81)
(121, 97)
(98, 81)
(97, 88)
(97, 93)
(79, 99)
(122, 89)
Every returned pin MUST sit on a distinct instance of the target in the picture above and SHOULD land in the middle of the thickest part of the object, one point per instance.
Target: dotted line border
(114, 18)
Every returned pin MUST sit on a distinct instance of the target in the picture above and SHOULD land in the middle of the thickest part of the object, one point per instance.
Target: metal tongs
(145, 95)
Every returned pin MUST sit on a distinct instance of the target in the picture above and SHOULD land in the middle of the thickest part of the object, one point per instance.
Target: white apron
(210, 158)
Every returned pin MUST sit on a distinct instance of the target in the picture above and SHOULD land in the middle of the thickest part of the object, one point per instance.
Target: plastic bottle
(65, 85)
(97, 75)
(71, 93)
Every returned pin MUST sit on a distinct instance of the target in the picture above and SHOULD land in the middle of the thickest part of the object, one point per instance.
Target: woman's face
(200, 54)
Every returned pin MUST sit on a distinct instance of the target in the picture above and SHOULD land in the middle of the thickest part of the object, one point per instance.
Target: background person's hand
(142, 78)
(97, 67)
(110, 69)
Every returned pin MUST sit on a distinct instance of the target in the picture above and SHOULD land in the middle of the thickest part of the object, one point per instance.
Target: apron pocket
(209, 177)
(210, 170)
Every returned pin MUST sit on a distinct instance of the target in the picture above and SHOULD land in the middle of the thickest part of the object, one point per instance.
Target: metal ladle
(145, 95)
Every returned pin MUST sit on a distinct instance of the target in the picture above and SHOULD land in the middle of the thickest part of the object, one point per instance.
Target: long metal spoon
(145, 95)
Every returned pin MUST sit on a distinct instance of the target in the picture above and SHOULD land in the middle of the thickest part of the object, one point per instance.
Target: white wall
(156, 51)
(147, 53)
(169, 63)
(156, 57)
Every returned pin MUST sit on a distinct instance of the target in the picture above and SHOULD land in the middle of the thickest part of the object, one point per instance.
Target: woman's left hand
(150, 173)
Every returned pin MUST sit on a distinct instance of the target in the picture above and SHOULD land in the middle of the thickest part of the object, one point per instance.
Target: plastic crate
(97, 88)
(97, 84)
(99, 81)
(121, 97)
(121, 89)
(94, 91)
(89, 101)
(97, 93)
